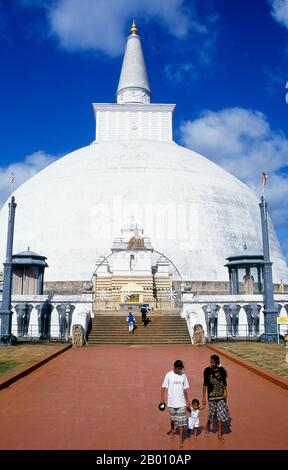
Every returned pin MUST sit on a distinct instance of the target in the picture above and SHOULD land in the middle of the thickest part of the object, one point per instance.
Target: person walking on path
(193, 420)
(176, 384)
(215, 383)
(131, 323)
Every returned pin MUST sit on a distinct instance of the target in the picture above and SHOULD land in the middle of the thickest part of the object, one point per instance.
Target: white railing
(224, 322)
(50, 317)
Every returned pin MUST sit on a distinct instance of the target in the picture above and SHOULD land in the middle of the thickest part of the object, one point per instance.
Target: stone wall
(210, 287)
(204, 287)
(197, 287)
(64, 287)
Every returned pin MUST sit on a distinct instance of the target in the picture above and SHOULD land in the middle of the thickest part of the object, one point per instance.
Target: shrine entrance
(133, 274)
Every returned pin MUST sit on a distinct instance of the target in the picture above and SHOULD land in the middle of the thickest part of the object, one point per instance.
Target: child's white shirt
(193, 420)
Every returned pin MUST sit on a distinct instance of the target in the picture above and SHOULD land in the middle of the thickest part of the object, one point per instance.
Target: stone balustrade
(50, 316)
(233, 316)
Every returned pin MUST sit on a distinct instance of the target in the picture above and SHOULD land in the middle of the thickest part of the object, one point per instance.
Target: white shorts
(193, 423)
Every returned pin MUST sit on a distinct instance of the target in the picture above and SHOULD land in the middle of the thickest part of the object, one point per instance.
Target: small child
(193, 420)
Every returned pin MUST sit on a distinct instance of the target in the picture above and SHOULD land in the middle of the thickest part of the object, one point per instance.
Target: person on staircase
(131, 322)
(144, 312)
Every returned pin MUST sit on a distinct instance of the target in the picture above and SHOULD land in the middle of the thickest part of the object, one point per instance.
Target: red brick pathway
(107, 398)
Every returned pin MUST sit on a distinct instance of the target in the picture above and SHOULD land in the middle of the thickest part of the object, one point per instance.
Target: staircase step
(112, 328)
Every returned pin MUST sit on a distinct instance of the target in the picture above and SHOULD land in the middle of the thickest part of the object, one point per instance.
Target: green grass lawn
(273, 357)
(12, 357)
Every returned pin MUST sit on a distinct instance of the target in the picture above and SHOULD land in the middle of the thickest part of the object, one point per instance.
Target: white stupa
(194, 212)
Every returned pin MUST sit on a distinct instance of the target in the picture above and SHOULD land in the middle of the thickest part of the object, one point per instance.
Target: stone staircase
(112, 328)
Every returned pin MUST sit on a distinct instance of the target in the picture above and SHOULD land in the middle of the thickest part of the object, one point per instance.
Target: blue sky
(223, 62)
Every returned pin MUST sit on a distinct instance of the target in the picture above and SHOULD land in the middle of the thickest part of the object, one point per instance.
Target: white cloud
(242, 142)
(179, 71)
(22, 172)
(102, 25)
(280, 11)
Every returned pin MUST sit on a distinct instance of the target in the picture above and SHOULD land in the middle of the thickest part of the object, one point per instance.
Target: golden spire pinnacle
(133, 29)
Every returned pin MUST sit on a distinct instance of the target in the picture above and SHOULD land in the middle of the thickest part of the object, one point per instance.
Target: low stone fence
(230, 316)
(50, 316)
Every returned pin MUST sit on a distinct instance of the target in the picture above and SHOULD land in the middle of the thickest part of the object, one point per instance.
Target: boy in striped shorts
(176, 384)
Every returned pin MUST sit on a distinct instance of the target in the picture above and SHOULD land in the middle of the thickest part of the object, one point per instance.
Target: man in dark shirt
(144, 312)
(215, 382)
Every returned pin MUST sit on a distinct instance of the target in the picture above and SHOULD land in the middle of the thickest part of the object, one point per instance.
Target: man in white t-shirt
(176, 383)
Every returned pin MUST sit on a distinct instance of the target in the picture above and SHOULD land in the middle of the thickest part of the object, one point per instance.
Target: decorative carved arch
(117, 251)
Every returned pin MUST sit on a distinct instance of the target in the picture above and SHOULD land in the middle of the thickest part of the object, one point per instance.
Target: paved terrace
(107, 398)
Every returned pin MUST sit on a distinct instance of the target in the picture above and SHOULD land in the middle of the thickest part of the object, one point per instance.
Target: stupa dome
(72, 210)
(194, 212)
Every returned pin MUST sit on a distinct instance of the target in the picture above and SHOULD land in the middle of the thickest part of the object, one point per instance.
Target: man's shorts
(178, 416)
